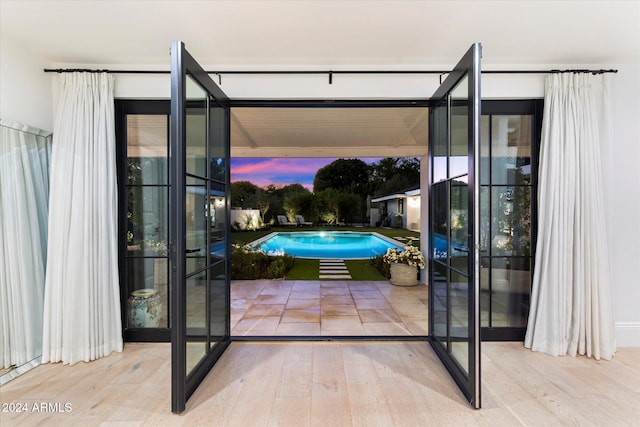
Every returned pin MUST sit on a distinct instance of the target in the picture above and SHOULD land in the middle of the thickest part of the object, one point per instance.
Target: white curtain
(24, 197)
(82, 298)
(571, 307)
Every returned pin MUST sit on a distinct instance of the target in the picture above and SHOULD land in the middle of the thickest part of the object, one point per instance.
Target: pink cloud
(291, 165)
(278, 171)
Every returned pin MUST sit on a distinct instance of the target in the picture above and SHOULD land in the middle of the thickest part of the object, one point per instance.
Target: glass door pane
(195, 221)
(199, 214)
(147, 191)
(454, 231)
(507, 193)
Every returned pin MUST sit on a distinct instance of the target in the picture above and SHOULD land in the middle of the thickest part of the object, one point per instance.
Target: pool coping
(375, 233)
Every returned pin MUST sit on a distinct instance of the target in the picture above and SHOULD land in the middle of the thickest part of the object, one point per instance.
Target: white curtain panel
(571, 305)
(82, 299)
(24, 197)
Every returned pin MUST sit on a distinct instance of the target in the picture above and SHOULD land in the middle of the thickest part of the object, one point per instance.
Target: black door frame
(533, 108)
(467, 377)
(183, 65)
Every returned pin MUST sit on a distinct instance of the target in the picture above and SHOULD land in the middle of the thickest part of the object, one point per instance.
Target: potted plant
(404, 264)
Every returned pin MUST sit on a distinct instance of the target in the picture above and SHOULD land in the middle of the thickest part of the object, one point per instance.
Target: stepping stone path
(333, 269)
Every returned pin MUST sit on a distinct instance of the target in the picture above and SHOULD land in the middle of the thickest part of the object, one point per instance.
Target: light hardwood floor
(333, 384)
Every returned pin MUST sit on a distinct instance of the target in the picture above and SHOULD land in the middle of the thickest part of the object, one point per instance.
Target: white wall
(412, 209)
(625, 204)
(25, 89)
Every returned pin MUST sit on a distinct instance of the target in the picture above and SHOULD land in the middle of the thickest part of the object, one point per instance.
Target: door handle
(192, 251)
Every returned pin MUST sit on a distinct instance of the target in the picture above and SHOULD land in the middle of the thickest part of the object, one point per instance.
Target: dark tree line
(340, 190)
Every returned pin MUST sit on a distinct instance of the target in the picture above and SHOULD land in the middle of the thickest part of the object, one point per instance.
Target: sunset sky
(280, 171)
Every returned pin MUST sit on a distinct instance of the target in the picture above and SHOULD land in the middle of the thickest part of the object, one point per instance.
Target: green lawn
(363, 270)
(304, 269)
(308, 269)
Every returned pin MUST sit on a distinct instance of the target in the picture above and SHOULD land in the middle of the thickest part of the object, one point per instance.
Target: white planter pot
(404, 275)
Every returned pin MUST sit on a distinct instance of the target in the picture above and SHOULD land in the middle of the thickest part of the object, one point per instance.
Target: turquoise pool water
(327, 244)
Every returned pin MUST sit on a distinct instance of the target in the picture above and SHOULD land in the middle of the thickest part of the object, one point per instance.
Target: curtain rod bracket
(330, 77)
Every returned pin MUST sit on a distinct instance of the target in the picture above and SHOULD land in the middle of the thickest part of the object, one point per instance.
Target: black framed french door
(454, 233)
(199, 214)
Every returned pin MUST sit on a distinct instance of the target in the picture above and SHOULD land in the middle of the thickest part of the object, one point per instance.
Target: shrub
(383, 267)
(247, 264)
(276, 269)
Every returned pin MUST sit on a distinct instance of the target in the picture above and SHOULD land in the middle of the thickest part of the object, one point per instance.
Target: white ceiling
(323, 35)
(329, 132)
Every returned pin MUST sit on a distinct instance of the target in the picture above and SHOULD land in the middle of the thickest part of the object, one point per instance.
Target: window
(143, 180)
(510, 135)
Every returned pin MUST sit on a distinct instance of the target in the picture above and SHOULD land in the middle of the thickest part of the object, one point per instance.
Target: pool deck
(327, 308)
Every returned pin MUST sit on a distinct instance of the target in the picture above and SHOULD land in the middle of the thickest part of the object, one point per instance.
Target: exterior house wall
(244, 219)
(392, 213)
(412, 213)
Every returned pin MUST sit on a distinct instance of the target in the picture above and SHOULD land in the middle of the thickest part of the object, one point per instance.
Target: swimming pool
(327, 244)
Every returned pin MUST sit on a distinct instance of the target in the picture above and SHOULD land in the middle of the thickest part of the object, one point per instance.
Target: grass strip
(361, 269)
(305, 269)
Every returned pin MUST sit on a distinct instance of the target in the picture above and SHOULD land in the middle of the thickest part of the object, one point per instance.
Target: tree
(327, 204)
(262, 203)
(350, 207)
(277, 195)
(393, 174)
(351, 175)
(243, 194)
(301, 204)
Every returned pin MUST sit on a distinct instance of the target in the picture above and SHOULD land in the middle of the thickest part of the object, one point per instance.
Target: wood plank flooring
(331, 384)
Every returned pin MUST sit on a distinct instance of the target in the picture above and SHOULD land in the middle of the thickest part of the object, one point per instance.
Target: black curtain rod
(330, 72)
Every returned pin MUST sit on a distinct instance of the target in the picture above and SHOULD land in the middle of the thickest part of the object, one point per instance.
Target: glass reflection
(440, 301)
(485, 152)
(511, 150)
(218, 151)
(506, 287)
(218, 297)
(147, 142)
(196, 129)
(459, 303)
(511, 221)
(440, 135)
(147, 220)
(148, 287)
(197, 214)
(459, 229)
(196, 307)
(440, 222)
(459, 130)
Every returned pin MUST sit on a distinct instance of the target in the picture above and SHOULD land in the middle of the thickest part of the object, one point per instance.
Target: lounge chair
(300, 220)
(282, 220)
